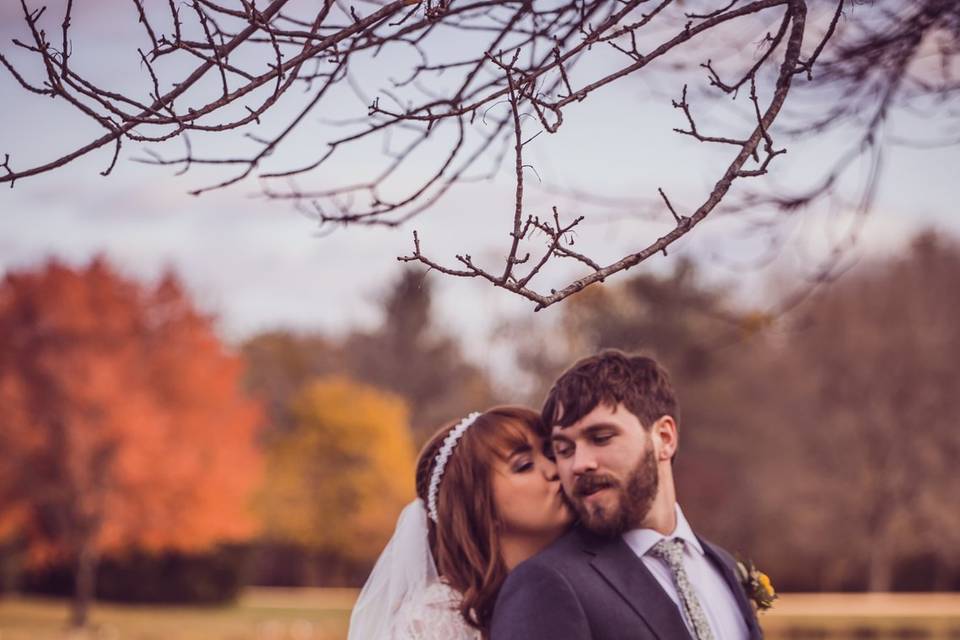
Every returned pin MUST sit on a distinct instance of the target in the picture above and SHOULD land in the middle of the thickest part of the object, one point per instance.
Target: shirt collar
(642, 540)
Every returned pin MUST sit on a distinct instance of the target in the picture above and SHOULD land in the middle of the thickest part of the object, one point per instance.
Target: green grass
(322, 614)
(881, 616)
(309, 614)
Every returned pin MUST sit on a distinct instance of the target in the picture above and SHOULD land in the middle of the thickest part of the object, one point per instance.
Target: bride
(488, 499)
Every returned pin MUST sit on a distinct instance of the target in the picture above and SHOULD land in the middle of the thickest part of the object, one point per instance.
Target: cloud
(255, 264)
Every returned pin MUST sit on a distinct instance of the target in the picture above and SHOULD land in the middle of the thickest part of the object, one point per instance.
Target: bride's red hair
(466, 540)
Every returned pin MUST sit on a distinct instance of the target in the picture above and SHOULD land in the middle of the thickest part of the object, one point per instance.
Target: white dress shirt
(716, 599)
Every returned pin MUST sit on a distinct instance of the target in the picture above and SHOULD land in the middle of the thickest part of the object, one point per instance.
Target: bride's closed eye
(521, 463)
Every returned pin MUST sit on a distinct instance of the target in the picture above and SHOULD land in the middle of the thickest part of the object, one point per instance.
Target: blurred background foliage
(337, 480)
(137, 447)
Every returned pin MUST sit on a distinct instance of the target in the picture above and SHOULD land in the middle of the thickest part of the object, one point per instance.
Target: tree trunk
(880, 570)
(85, 584)
(943, 574)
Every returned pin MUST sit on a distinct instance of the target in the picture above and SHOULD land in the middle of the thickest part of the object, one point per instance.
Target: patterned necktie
(671, 552)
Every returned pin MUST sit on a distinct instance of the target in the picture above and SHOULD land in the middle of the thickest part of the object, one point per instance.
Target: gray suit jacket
(586, 588)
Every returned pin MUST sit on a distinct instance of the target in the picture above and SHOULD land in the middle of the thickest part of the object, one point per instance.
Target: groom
(632, 568)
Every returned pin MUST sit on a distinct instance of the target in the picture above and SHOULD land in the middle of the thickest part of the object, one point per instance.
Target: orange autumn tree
(123, 425)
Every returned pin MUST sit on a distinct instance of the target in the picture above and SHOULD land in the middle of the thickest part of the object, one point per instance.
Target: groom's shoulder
(542, 597)
(556, 574)
(567, 550)
(555, 567)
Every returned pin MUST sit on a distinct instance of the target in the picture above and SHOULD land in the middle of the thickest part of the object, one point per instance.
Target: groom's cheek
(567, 481)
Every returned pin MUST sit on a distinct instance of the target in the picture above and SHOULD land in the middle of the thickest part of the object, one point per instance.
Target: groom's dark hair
(610, 377)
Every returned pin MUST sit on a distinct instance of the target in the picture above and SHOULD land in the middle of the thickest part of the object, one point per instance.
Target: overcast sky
(261, 265)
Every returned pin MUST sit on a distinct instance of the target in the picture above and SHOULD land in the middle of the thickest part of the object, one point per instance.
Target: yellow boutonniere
(757, 585)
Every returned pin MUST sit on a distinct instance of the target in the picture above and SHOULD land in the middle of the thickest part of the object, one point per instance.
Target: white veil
(403, 570)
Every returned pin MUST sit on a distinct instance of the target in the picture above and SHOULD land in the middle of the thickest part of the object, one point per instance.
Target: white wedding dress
(404, 598)
(433, 614)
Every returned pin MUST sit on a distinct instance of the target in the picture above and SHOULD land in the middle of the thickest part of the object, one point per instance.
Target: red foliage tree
(123, 424)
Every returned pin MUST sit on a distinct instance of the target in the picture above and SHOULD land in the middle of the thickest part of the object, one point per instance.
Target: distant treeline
(819, 443)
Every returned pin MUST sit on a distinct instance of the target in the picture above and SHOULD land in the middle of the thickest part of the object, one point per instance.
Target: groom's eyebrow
(589, 430)
(600, 426)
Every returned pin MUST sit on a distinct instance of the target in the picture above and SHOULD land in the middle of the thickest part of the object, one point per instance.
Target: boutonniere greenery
(757, 585)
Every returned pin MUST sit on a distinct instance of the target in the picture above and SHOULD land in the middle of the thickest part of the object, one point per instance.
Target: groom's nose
(584, 461)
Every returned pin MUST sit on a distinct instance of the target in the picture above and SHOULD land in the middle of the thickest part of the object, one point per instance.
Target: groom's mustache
(591, 483)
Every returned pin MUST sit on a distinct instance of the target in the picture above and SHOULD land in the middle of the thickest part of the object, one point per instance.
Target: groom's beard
(632, 502)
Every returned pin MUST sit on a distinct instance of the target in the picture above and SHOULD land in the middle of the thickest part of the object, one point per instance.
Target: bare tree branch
(527, 56)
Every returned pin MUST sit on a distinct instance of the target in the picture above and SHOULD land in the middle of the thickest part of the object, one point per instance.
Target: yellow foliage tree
(337, 482)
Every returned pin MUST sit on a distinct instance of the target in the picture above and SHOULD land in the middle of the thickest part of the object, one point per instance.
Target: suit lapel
(628, 576)
(725, 563)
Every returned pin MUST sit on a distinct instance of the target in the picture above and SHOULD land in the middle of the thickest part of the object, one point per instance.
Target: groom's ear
(665, 435)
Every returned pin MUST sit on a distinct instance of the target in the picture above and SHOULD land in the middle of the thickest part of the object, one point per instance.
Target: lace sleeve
(433, 615)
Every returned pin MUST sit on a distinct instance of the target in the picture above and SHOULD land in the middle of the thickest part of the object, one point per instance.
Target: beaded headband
(443, 455)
